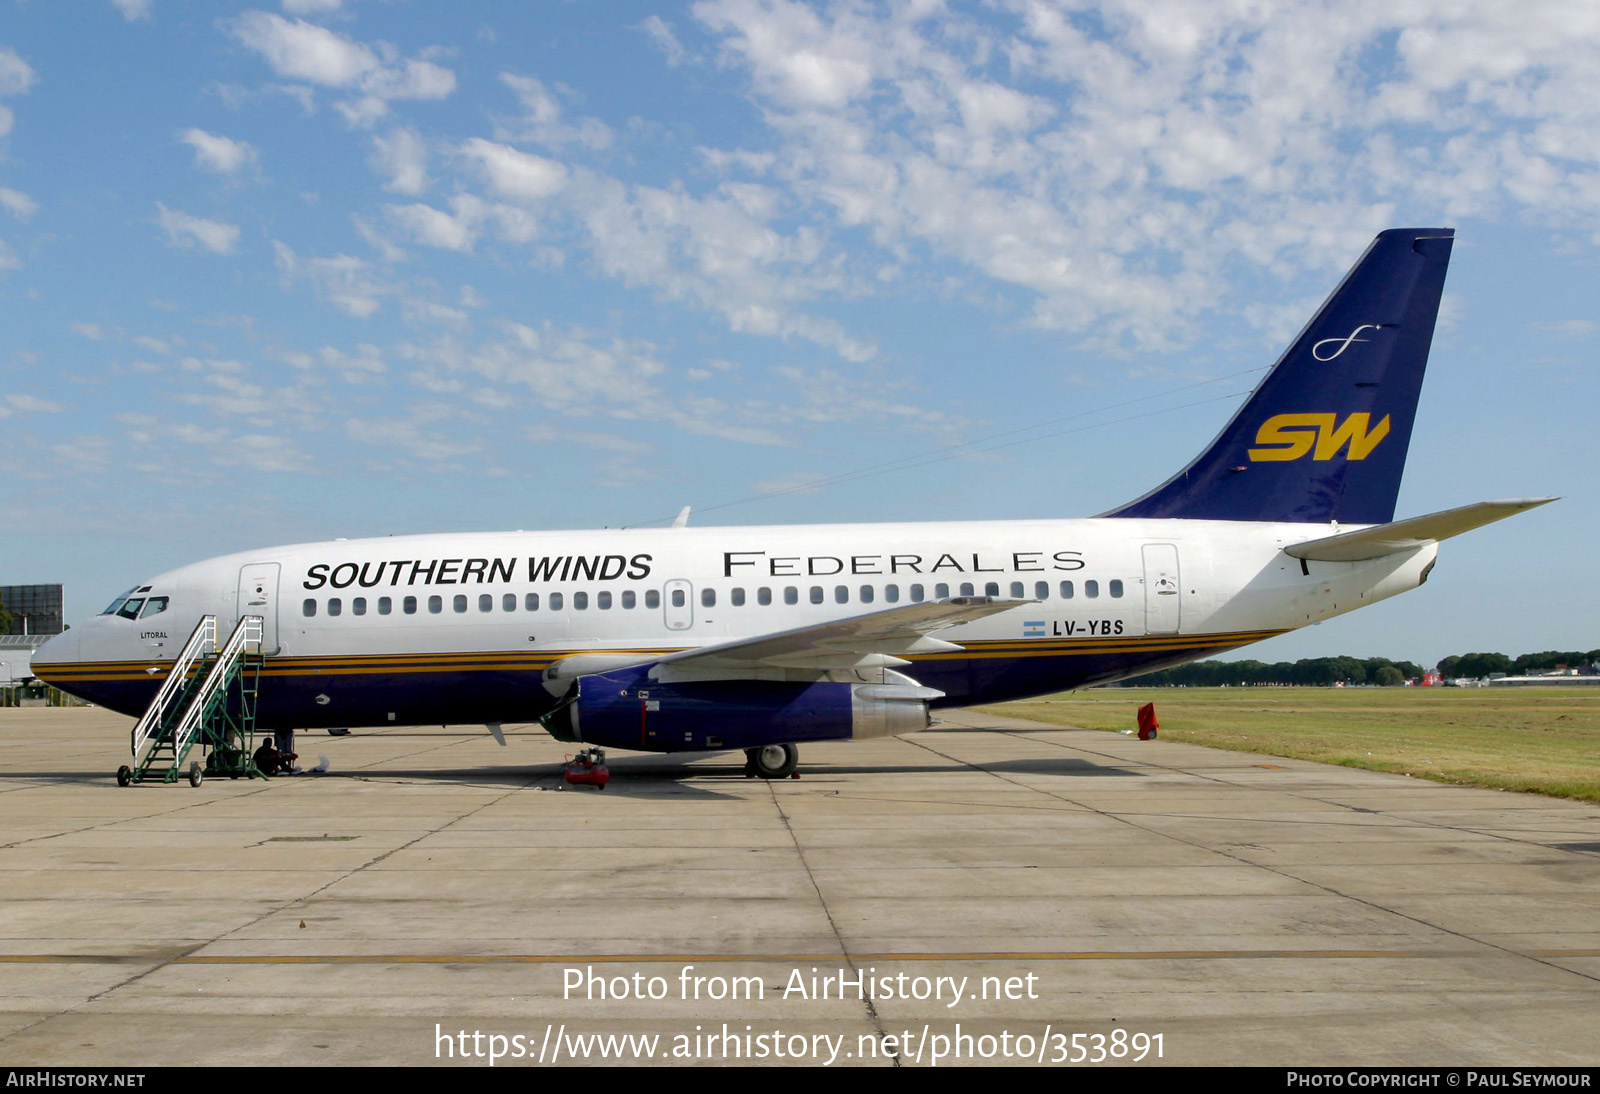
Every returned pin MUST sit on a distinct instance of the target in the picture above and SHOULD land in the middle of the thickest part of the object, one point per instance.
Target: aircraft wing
(844, 642)
(1403, 535)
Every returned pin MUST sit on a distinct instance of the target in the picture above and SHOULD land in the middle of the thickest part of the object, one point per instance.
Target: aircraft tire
(773, 761)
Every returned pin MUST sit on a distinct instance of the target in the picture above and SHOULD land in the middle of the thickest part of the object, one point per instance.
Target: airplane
(690, 639)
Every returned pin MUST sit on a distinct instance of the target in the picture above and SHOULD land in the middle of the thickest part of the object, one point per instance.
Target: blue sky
(284, 272)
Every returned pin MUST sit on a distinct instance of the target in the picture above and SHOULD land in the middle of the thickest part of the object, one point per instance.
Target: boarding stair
(208, 699)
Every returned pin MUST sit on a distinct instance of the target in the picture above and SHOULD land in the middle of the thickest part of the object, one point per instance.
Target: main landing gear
(771, 761)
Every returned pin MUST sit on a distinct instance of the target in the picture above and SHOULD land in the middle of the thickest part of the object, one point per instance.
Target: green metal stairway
(208, 699)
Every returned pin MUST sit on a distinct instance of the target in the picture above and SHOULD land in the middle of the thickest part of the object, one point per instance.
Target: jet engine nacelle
(626, 709)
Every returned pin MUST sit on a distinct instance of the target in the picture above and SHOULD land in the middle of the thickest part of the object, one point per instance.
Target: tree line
(1380, 671)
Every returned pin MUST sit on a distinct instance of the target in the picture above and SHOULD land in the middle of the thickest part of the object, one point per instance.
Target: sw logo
(1293, 435)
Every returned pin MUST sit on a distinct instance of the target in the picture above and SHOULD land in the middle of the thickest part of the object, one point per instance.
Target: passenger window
(816, 594)
(891, 593)
(409, 606)
(603, 601)
(1066, 590)
(708, 598)
(154, 606)
(1091, 589)
(130, 608)
(763, 596)
(1116, 588)
(508, 602)
(866, 594)
(358, 606)
(629, 599)
(841, 594)
(460, 602)
(485, 602)
(941, 591)
(652, 598)
(335, 606)
(556, 602)
(435, 604)
(678, 599)
(991, 588)
(308, 607)
(737, 596)
(1016, 590)
(1041, 590)
(966, 588)
(531, 602)
(916, 594)
(580, 602)
(791, 595)
(385, 605)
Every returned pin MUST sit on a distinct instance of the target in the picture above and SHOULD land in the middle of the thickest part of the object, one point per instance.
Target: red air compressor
(588, 768)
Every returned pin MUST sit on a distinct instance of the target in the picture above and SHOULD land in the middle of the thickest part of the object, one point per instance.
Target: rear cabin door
(677, 602)
(1161, 593)
(258, 595)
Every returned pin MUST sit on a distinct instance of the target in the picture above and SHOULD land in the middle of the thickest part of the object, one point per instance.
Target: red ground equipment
(1147, 722)
(588, 768)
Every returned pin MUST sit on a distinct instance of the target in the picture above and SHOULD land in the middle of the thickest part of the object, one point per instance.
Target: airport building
(35, 613)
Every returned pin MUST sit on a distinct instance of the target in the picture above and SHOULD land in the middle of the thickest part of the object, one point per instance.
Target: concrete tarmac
(433, 887)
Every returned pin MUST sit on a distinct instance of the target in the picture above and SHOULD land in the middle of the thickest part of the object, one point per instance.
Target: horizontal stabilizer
(1403, 535)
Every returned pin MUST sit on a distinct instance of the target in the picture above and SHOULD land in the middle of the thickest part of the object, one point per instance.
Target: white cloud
(542, 121)
(8, 258)
(346, 282)
(90, 331)
(32, 405)
(297, 50)
(1109, 170)
(17, 203)
(217, 153)
(186, 231)
(402, 156)
(518, 176)
(16, 75)
(434, 228)
(310, 7)
(133, 10)
(660, 32)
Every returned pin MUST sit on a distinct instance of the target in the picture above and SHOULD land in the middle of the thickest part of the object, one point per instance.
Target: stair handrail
(204, 635)
(250, 629)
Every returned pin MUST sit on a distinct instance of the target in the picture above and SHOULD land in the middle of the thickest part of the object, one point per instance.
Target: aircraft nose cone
(62, 649)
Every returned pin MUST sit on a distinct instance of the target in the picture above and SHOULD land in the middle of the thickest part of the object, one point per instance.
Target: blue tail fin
(1324, 436)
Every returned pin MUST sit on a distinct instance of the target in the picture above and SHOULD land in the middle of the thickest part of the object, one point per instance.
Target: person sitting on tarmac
(269, 761)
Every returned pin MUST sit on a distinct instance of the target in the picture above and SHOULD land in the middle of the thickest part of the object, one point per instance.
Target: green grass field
(1544, 740)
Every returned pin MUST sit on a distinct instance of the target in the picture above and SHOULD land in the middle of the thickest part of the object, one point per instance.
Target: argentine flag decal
(1033, 630)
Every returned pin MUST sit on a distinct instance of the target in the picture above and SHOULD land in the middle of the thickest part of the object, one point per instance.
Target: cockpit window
(154, 606)
(118, 602)
(130, 608)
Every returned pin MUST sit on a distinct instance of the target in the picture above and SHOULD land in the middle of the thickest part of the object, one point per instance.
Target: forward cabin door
(258, 595)
(1161, 581)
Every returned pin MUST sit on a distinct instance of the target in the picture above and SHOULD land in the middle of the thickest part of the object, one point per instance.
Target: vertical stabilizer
(1324, 436)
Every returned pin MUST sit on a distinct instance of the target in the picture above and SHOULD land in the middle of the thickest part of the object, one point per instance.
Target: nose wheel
(771, 761)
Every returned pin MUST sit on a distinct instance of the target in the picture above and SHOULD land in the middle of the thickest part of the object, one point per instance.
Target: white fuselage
(431, 628)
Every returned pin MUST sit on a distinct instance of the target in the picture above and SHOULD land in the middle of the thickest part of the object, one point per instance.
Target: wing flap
(1405, 535)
